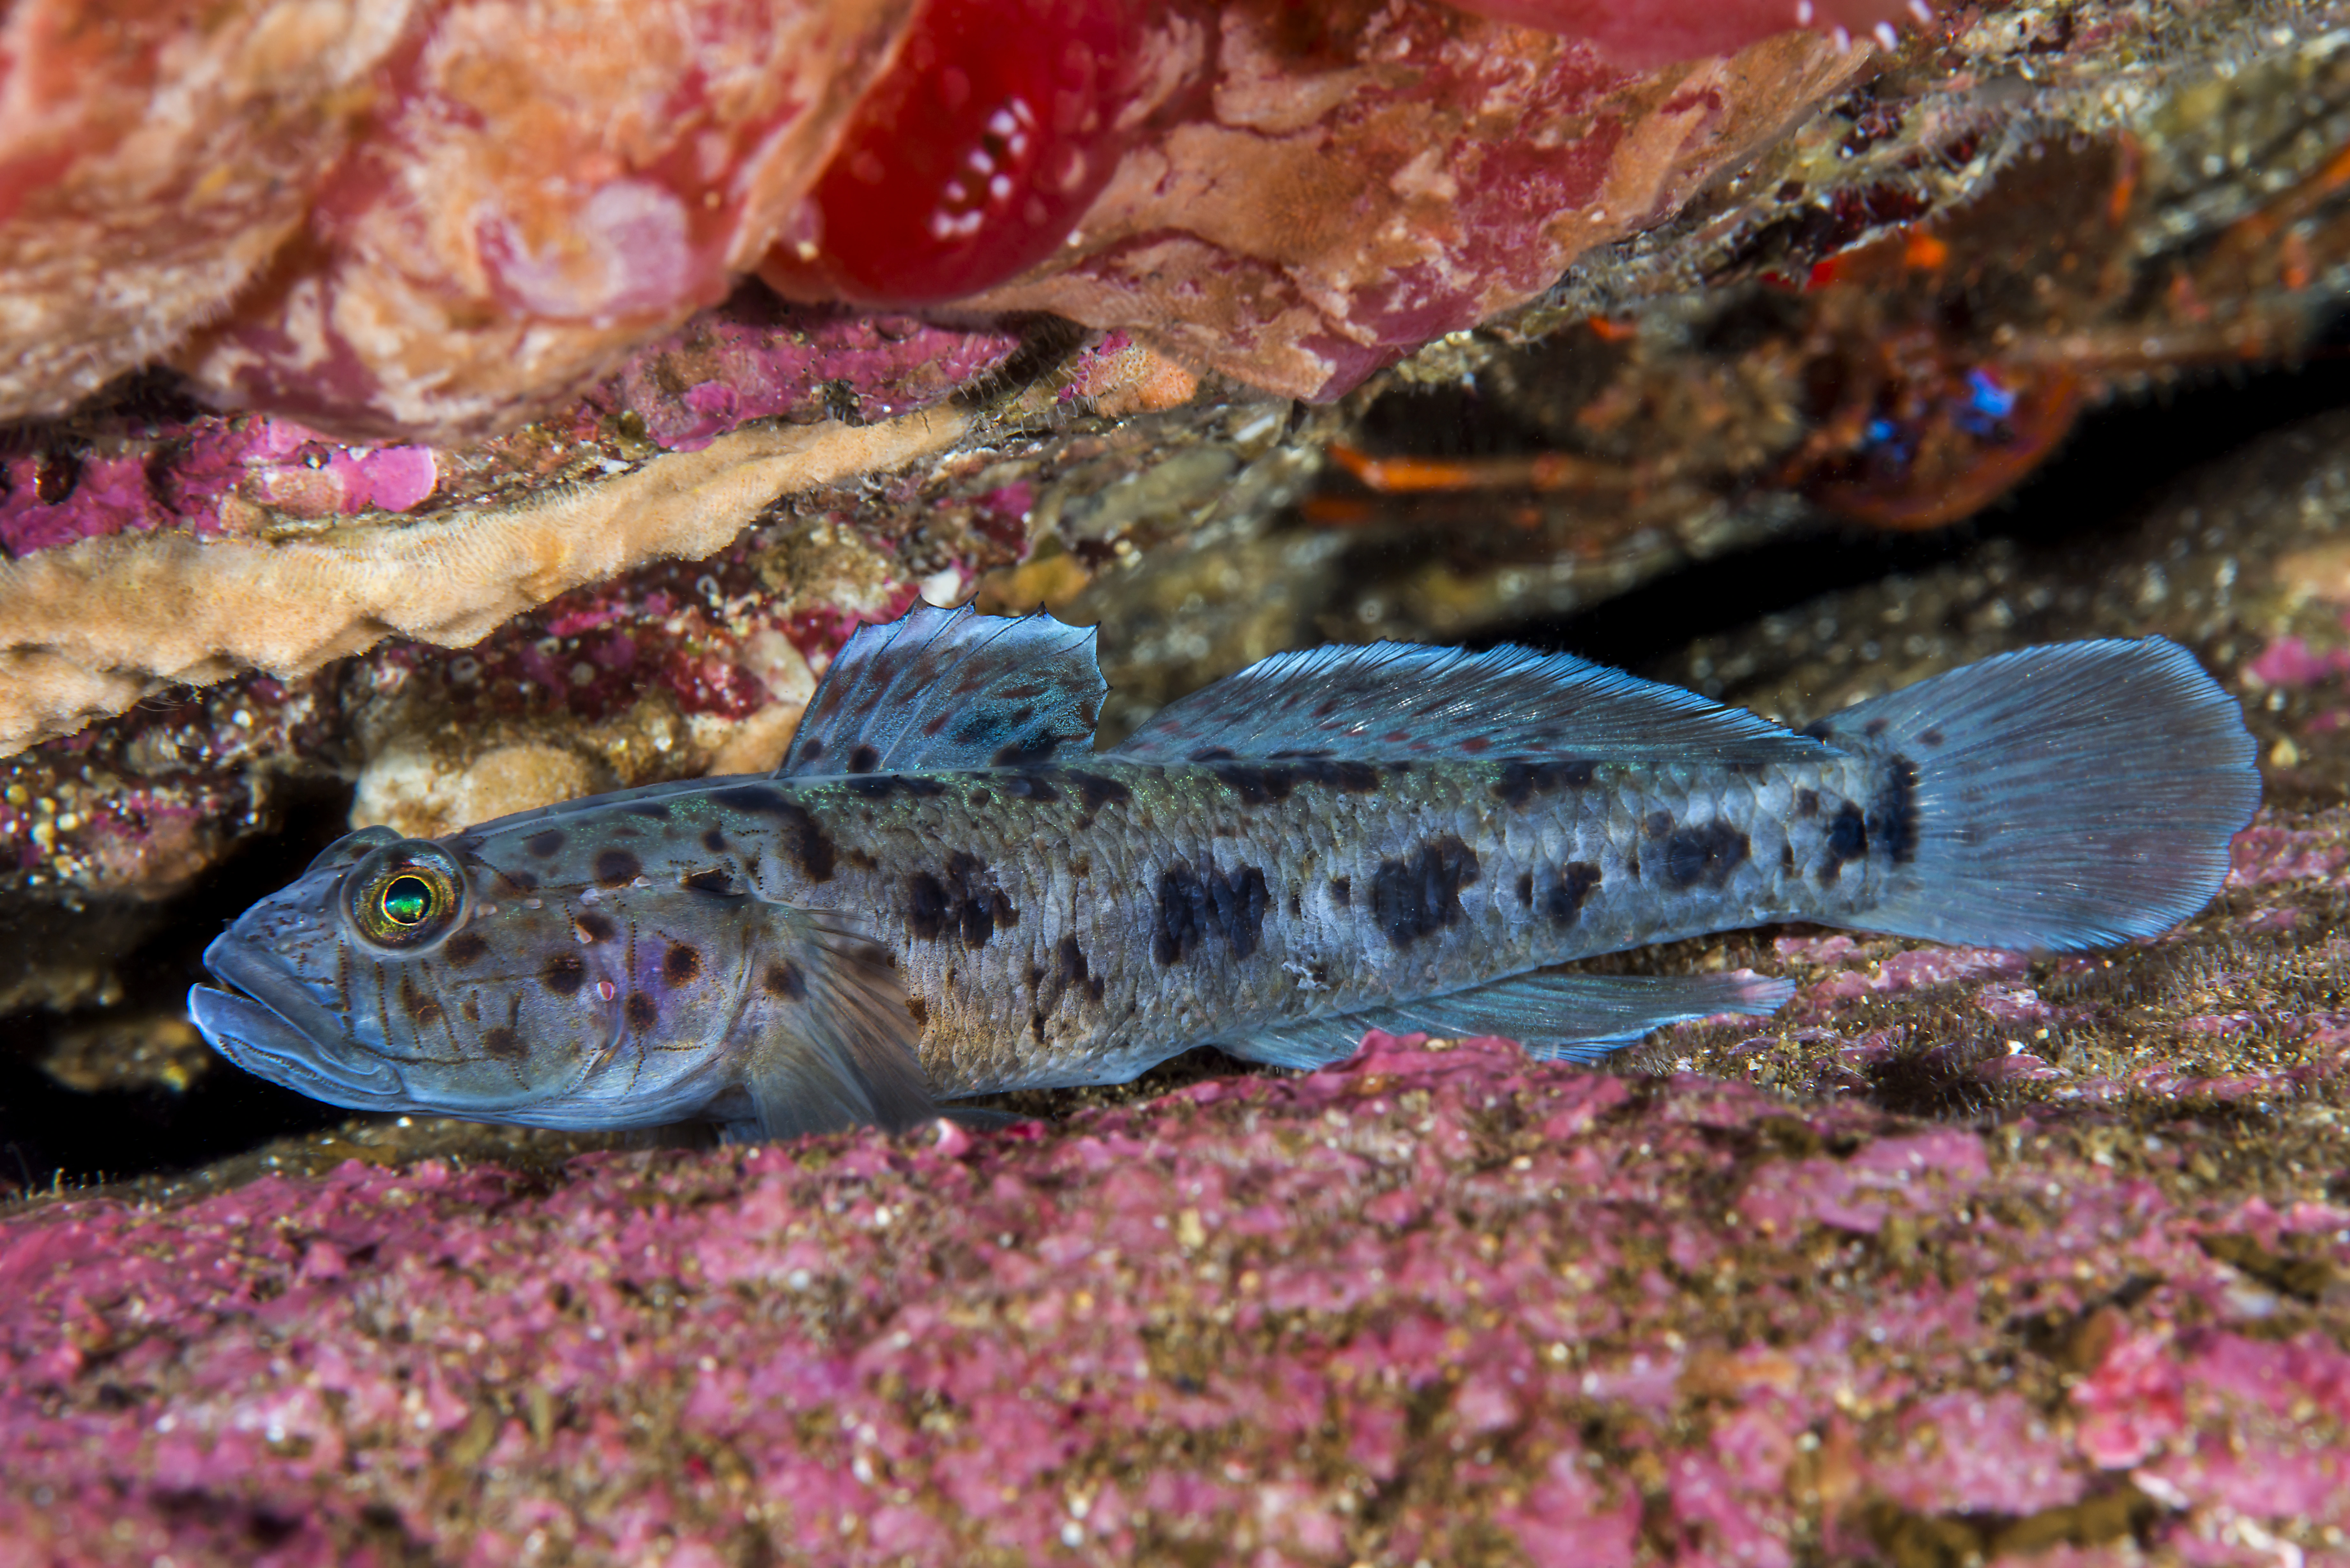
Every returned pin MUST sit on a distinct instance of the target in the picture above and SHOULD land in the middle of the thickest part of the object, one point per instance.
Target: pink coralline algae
(1440, 1304)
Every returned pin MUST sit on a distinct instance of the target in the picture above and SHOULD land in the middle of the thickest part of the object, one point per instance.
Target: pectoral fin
(844, 1053)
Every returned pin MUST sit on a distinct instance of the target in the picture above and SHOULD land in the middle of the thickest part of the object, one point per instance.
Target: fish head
(403, 974)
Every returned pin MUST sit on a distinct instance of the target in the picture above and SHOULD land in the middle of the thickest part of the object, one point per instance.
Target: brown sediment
(88, 630)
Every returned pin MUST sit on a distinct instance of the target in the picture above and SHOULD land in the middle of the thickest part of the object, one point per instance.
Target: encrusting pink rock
(434, 221)
(1439, 1304)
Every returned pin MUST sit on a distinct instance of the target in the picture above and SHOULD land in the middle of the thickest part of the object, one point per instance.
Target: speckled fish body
(1396, 839)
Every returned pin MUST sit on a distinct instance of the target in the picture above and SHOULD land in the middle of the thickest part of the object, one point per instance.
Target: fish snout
(266, 1021)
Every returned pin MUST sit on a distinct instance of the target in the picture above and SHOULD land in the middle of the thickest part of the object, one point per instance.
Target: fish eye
(405, 895)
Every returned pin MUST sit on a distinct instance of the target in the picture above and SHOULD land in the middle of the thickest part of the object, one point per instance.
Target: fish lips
(267, 1024)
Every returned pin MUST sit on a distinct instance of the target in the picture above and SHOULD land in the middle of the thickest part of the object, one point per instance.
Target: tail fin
(2069, 796)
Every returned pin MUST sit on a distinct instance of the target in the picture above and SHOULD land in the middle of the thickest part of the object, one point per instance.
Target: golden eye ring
(405, 896)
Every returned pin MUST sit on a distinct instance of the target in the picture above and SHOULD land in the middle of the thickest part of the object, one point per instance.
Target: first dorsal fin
(943, 689)
(1391, 701)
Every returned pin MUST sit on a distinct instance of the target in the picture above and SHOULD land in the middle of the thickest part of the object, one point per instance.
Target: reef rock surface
(1433, 1305)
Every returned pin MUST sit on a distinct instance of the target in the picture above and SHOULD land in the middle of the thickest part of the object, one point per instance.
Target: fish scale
(945, 892)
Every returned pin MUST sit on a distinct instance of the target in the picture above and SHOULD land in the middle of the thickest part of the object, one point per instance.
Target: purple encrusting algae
(1431, 1304)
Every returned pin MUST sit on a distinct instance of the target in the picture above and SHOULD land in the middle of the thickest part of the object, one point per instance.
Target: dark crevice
(2121, 457)
(50, 1134)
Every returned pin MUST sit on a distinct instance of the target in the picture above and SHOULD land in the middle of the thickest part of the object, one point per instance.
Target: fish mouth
(267, 1024)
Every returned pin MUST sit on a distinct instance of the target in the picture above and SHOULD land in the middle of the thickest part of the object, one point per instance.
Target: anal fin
(1558, 1017)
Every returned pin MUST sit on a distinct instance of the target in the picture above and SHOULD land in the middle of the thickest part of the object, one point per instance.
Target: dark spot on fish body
(714, 840)
(1658, 824)
(465, 946)
(471, 1007)
(544, 844)
(1413, 899)
(1562, 899)
(864, 760)
(712, 884)
(1257, 786)
(1893, 811)
(419, 1008)
(812, 751)
(1037, 1024)
(641, 1012)
(647, 808)
(781, 978)
(1192, 906)
(919, 1011)
(520, 880)
(1523, 779)
(1930, 737)
(1847, 839)
(964, 902)
(1876, 727)
(1706, 854)
(504, 1044)
(1346, 777)
(882, 786)
(1807, 803)
(1028, 787)
(596, 928)
(1787, 859)
(804, 837)
(681, 964)
(564, 974)
(1342, 891)
(1526, 889)
(617, 867)
(1095, 792)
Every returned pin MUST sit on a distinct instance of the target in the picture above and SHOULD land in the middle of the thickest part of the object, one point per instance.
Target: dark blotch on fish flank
(1659, 824)
(1807, 803)
(544, 844)
(520, 880)
(714, 840)
(465, 946)
(1526, 889)
(1095, 792)
(642, 1010)
(1256, 784)
(1411, 898)
(504, 1044)
(712, 884)
(1029, 786)
(1705, 854)
(565, 973)
(682, 965)
(1847, 839)
(1522, 780)
(1192, 906)
(804, 837)
(882, 786)
(1562, 899)
(783, 979)
(1069, 969)
(963, 901)
(1342, 891)
(864, 760)
(596, 928)
(1893, 811)
(617, 867)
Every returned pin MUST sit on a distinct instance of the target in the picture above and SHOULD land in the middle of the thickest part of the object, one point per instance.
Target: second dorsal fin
(943, 689)
(1391, 701)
